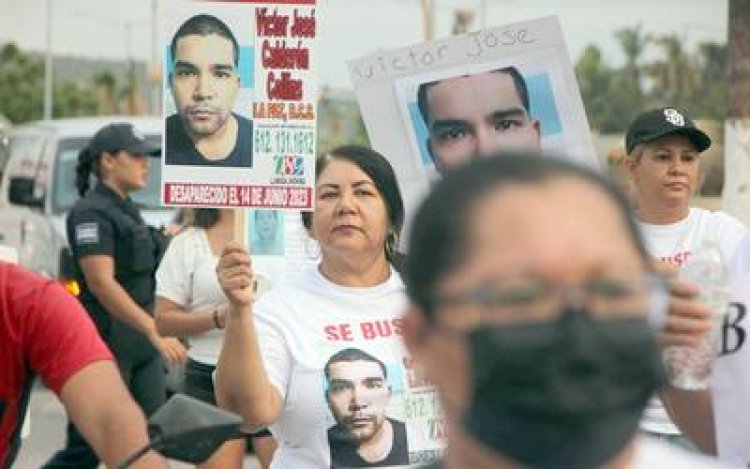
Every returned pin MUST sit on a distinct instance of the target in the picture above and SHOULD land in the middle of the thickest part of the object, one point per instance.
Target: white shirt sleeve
(174, 272)
(741, 263)
(731, 232)
(274, 349)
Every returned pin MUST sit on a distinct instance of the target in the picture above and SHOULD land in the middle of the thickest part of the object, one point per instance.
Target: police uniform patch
(87, 233)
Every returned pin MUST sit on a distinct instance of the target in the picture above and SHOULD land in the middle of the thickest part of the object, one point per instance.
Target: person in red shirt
(44, 331)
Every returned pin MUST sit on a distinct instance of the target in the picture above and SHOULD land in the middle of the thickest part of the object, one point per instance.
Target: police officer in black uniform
(116, 255)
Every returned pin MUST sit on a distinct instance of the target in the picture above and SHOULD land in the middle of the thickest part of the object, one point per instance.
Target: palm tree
(633, 42)
(106, 85)
(675, 78)
(711, 103)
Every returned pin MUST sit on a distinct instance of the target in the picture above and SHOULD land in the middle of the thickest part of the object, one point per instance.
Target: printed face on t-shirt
(358, 395)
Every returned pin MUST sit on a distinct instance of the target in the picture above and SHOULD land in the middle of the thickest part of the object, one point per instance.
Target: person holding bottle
(663, 156)
(544, 349)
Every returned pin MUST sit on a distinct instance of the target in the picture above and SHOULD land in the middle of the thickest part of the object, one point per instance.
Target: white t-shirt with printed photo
(300, 326)
(673, 244)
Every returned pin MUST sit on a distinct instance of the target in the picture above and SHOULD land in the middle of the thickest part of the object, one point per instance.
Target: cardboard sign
(240, 104)
(507, 87)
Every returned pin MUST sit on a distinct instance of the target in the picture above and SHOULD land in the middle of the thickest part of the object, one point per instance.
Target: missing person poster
(432, 106)
(239, 104)
(281, 248)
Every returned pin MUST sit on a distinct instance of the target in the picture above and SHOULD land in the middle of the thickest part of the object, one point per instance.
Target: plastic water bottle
(690, 367)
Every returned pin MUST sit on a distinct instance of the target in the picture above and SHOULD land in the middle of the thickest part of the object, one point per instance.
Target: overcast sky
(353, 28)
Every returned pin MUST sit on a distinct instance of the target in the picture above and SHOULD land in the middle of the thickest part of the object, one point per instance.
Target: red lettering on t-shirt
(380, 329)
(677, 259)
(397, 326)
(338, 332)
(368, 330)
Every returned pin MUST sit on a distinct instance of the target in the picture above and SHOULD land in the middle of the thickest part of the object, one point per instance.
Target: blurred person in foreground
(541, 346)
(115, 257)
(190, 303)
(44, 331)
(272, 366)
(663, 163)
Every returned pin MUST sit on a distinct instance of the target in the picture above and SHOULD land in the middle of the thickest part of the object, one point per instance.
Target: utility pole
(428, 19)
(132, 82)
(736, 196)
(155, 63)
(482, 14)
(462, 20)
(47, 114)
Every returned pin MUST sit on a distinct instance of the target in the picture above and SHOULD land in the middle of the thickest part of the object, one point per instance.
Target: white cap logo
(137, 133)
(674, 117)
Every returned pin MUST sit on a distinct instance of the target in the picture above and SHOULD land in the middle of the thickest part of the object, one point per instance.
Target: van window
(65, 192)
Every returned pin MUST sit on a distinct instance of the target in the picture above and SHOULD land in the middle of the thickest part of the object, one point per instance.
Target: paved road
(48, 433)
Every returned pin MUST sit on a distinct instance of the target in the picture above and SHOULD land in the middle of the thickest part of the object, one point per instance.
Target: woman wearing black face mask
(530, 301)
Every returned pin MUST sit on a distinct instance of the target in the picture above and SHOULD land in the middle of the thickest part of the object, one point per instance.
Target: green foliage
(22, 89)
(70, 100)
(613, 95)
(607, 93)
(21, 85)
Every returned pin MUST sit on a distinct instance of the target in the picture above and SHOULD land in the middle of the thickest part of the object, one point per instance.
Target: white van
(37, 188)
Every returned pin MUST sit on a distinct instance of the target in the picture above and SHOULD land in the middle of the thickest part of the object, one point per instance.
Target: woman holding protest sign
(321, 360)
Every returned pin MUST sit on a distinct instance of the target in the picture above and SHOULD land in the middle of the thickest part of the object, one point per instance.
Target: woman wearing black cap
(664, 149)
(115, 255)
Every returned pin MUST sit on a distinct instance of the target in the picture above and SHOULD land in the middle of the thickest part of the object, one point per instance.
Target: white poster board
(280, 246)
(387, 85)
(731, 374)
(264, 157)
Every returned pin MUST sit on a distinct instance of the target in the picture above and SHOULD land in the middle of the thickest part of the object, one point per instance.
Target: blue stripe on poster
(246, 68)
